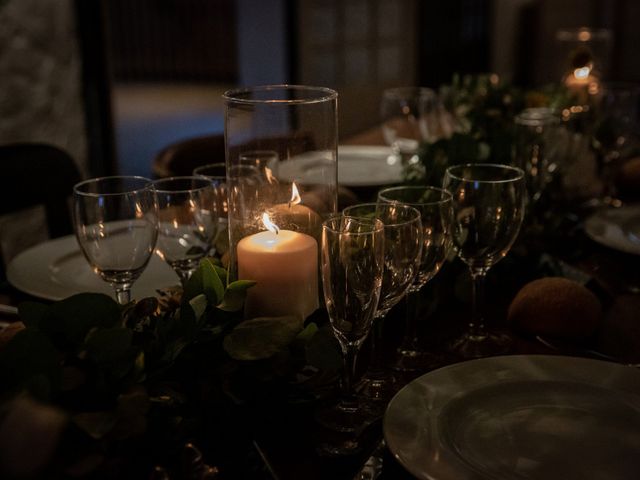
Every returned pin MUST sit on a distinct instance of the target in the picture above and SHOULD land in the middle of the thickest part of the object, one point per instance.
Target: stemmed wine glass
(403, 245)
(116, 224)
(217, 174)
(488, 209)
(617, 133)
(435, 207)
(188, 221)
(352, 262)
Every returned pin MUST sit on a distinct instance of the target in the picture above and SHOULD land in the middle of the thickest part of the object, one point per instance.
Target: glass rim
(519, 173)
(443, 191)
(200, 178)
(376, 224)
(197, 170)
(234, 96)
(77, 188)
(415, 211)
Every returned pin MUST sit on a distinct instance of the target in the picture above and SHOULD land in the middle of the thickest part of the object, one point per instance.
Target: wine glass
(116, 224)
(403, 245)
(188, 221)
(488, 209)
(217, 175)
(435, 207)
(404, 126)
(266, 161)
(352, 264)
(617, 133)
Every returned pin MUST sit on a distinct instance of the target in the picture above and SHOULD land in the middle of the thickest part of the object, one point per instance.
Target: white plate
(519, 417)
(358, 166)
(617, 228)
(57, 269)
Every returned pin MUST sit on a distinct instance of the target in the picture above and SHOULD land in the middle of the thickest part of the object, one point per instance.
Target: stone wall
(40, 75)
(40, 96)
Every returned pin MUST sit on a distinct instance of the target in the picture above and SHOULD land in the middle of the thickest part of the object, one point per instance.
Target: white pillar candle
(285, 267)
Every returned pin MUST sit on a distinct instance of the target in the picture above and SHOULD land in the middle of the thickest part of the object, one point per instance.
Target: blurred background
(115, 81)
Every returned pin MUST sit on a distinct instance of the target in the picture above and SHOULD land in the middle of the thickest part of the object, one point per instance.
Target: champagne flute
(434, 205)
(488, 209)
(188, 221)
(116, 224)
(352, 263)
(403, 245)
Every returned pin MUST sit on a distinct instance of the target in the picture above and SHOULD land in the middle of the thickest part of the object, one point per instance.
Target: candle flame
(295, 195)
(272, 227)
(582, 72)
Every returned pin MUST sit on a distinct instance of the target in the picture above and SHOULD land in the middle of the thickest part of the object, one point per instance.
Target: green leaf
(193, 287)
(211, 283)
(261, 338)
(75, 316)
(30, 360)
(308, 333)
(241, 285)
(235, 295)
(222, 272)
(199, 306)
(322, 351)
(111, 349)
(33, 313)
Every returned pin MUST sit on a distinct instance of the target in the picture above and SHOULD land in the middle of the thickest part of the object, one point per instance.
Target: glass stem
(375, 365)
(123, 294)
(184, 275)
(477, 329)
(349, 356)
(410, 340)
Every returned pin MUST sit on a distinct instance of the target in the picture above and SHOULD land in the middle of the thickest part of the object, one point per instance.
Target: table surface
(286, 438)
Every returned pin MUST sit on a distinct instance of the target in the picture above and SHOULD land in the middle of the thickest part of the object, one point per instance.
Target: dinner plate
(358, 166)
(519, 417)
(617, 228)
(57, 269)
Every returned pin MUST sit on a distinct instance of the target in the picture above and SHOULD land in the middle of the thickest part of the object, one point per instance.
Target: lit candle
(582, 83)
(284, 264)
(293, 213)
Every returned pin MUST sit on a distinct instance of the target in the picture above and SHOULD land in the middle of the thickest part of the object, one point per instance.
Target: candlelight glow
(272, 227)
(582, 72)
(295, 195)
(270, 176)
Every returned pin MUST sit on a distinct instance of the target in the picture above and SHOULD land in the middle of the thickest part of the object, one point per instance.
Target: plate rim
(380, 151)
(42, 255)
(617, 375)
(624, 247)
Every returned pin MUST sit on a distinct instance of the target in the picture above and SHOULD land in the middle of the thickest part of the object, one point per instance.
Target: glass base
(477, 346)
(418, 361)
(377, 387)
(339, 448)
(343, 418)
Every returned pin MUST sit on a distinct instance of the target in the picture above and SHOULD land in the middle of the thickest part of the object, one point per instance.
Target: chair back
(180, 158)
(38, 173)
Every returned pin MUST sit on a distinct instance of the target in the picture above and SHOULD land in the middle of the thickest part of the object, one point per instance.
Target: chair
(182, 157)
(38, 174)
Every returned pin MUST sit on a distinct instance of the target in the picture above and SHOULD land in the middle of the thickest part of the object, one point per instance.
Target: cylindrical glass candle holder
(276, 210)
